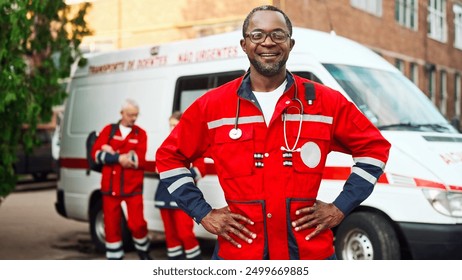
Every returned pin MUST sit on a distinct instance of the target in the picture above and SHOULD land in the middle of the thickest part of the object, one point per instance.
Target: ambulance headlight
(447, 203)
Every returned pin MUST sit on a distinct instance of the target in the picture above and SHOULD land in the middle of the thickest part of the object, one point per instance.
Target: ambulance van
(415, 210)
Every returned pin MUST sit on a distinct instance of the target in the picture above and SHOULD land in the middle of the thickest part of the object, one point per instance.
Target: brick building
(423, 38)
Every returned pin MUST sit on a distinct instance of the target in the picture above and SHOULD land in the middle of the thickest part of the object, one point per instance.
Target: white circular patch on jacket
(310, 154)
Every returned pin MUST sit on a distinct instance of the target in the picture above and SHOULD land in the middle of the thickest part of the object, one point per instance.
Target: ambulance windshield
(389, 100)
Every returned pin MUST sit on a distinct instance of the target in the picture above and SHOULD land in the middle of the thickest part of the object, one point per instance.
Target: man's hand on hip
(320, 216)
(223, 222)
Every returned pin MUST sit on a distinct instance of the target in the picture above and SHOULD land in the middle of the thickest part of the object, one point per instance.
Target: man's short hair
(245, 26)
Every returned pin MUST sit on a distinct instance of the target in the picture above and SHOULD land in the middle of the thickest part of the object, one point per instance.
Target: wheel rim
(99, 228)
(358, 246)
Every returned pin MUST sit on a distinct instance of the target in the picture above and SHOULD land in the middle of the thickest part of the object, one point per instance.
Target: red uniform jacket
(259, 178)
(116, 180)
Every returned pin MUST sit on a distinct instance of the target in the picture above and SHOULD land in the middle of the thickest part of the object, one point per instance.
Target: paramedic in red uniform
(269, 133)
(123, 157)
(179, 235)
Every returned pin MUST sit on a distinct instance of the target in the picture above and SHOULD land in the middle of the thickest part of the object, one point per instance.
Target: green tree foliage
(39, 42)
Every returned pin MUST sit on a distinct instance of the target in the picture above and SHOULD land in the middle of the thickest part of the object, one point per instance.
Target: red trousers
(113, 215)
(179, 231)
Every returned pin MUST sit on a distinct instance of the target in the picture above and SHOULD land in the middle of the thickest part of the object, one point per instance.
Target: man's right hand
(222, 222)
(125, 161)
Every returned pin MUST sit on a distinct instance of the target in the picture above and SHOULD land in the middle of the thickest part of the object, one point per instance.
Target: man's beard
(268, 69)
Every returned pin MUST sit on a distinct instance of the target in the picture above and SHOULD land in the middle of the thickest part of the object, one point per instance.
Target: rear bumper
(433, 241)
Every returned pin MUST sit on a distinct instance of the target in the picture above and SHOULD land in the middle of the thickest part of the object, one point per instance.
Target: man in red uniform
(269, 134)
(123, 159)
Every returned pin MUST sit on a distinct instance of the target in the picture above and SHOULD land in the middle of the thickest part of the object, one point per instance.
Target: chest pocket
(234, 156)
(314, 144)
(124, 145)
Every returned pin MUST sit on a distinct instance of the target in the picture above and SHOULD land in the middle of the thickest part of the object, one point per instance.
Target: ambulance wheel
(98, 235)
(366, 236)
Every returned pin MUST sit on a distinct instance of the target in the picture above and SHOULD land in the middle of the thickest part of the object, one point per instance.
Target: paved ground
(31, 229)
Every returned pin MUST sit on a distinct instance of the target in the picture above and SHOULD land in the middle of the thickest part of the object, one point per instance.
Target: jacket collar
(245, 90)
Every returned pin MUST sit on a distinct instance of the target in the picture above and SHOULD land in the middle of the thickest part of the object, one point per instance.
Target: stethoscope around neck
(235, 133)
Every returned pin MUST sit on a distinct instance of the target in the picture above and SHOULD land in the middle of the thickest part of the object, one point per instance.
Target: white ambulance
(415, 211)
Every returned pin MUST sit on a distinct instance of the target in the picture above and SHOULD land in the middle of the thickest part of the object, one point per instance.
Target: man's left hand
(320, 216)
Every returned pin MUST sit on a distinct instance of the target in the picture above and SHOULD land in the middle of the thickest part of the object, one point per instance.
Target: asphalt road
(31, 229)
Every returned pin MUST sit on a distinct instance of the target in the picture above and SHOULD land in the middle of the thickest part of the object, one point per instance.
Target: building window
(399, 64)
(406, 13)
(443, 92)
(371, 6)
(414, 73)
(437, 27)
(457, 95)
(431, 84)
(457, 9)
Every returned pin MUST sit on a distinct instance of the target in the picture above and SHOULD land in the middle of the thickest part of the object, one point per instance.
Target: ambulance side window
(309, 76)
(189, 88)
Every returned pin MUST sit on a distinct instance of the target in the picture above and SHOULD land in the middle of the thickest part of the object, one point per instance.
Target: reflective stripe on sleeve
(174, 172)
(178, 183)
(365, 175)
(371, 161)
(100, 156)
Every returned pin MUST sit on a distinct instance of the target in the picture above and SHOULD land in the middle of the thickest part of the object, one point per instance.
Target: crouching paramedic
(123, 159)
(269, 134)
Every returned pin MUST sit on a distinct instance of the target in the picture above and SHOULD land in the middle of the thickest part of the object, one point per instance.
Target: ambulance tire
(97, 229)
(366, 236)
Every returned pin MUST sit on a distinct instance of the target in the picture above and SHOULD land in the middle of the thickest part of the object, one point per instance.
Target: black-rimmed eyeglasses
(258, 37)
